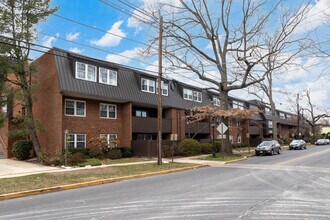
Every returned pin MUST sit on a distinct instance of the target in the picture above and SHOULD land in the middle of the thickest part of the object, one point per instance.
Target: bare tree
(278, 43)
(313, 119)
(235, 40)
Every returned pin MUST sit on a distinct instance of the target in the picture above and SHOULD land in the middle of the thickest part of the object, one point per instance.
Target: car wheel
(290, 148)
(279, 151)
(272, 152)
(257, 154)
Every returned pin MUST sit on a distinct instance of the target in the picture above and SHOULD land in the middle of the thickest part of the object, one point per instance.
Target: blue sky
(96, 14)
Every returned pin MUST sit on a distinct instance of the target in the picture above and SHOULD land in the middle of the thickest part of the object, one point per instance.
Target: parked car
(268, 147)
(297, 144)
(327, 141)
(321, 142)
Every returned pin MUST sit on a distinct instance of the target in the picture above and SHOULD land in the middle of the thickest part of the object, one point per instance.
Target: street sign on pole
(222, 128)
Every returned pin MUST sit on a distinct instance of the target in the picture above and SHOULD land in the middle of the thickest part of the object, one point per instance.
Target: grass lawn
(37, 181)
(220, 157)
(125, 160)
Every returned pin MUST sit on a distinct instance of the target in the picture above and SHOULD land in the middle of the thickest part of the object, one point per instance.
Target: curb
(233, 161)
(92, 183)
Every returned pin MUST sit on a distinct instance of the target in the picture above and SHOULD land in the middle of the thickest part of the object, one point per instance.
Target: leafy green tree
(18, 21)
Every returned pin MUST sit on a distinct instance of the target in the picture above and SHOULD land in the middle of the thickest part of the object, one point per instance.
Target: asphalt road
(293, 185)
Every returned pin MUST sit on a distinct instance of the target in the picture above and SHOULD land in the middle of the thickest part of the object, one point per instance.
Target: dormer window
(107, 76)
(148, 85)
(188, 94)
(238, 104)
(164, 87)
(85, 72)
(216, 101)
(197, 96)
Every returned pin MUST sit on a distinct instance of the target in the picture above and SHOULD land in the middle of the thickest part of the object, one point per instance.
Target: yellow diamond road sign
(222, 128)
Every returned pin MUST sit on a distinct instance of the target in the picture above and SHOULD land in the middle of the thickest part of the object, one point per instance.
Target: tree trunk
(31, 125)
(274, 119)
(226, 147)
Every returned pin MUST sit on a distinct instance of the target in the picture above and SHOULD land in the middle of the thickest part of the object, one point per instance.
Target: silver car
(268, 147)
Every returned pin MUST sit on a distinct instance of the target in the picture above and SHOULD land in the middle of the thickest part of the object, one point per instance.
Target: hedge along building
(90, 98)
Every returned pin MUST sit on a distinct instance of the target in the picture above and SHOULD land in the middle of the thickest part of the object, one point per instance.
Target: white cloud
(124, 57)
(76, 50)
(72, 36)
(109, 40)
(316, 16)
(47, 41)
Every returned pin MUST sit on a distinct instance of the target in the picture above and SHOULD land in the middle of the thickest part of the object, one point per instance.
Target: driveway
(12, 168)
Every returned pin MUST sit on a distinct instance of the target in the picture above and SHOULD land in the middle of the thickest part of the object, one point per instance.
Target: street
(292, 185)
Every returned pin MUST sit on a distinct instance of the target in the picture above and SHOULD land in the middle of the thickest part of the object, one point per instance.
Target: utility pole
(160, 69)
(298, 116)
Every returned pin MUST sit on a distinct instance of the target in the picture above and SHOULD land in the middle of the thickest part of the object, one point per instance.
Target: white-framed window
(164, 87)
(4, 106)
(109, 138)
(267, 111)
(75, 108)
(254, 107)
(282, 115)
(238, 123)
(107, 76)
(216, 101)
(188, 94)
(238, 104)
(270, 124)
(197, 96)
(76, 140)
(108, 111)
(288, 117)
(231, 138)
(85, 72)
(239, 139)
(140, 113)
(148, 85)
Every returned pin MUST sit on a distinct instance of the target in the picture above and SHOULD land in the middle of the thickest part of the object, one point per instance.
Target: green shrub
(206, 148)
(166, 151)
(76, 158)
(96, 153)
(189, 147)
(217, 145)
(238, 145)
(21, 149)
(90, 162)
(114, 154)
(126, 151)
(84, 151)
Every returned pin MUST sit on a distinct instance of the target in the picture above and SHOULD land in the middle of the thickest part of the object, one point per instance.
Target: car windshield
(295, 142)
(265, 143)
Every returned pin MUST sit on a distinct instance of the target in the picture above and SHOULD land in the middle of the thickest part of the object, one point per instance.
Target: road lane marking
(302, 157)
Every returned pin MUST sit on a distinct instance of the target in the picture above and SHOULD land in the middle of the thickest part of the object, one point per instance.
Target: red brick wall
(92, 125)
(48, 105)
(177, 121)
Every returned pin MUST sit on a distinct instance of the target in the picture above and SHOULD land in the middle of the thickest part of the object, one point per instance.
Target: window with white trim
(140, 113)
(164, 87)
(197, 96)
(4, 104)
(107, 76)
(75, 108)
(188, 94)
(238, 104)
(76, 140)
(270, 124)
(216, 101)
(267, 111)
(231, 138)
(239, 139)
(85, 72)
(148, 85)
(108, 111)
(282, 115)
(108, 138)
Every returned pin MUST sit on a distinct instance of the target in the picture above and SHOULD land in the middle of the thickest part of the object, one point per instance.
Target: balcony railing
(149, 125)
(198, 127)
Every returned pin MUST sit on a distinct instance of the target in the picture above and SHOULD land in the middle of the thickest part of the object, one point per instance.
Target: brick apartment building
(90, 98)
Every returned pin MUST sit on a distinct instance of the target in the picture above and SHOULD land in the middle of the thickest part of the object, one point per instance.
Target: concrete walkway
(12, 168)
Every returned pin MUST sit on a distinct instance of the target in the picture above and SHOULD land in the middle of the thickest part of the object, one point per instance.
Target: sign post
(174, 137)
(222, 128)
